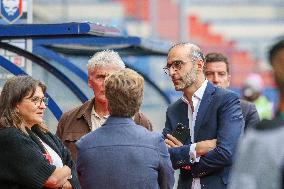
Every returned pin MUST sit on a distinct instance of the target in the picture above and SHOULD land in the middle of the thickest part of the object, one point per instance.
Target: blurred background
(241, 29)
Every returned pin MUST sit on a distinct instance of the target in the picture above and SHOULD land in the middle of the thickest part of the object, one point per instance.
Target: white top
(192, 114)
(56, 160)
(96, 120)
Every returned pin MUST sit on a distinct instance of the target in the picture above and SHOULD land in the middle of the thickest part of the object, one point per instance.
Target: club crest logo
(11, 10)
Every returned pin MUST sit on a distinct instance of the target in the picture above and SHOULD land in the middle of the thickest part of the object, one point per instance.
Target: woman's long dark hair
(13, 92)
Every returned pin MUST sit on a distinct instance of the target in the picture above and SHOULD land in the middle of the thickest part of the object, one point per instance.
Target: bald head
(193, 51)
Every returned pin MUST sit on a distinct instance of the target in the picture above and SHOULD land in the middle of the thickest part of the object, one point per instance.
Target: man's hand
(171, 141)
(67, 185)
(203, 147)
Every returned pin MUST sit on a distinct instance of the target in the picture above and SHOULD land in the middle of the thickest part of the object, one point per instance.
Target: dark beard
(190, 78)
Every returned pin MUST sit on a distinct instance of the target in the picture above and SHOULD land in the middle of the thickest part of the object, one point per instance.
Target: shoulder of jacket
(223, 91)
(78, 110)
(225, 95)
(246, 103)
(269, 124)
(10, 134)
(178, 102)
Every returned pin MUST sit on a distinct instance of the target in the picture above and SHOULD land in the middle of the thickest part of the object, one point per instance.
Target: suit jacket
(123, 155)
(77, 122)
(250, 114)
(219, 117)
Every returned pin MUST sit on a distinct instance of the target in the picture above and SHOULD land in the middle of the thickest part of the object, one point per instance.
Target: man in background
(92, 114)
(252, 91)
(122, 154)
(260, 157)
(217, 71)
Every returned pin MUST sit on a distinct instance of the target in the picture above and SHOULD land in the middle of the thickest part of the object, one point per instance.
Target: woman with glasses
(30, 156)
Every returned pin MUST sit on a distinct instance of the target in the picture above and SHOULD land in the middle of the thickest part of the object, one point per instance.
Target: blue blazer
(123, 155)
(219, 117)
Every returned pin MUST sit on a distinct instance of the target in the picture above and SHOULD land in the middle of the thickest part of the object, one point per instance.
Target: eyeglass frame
(40, 100)
(176, 65)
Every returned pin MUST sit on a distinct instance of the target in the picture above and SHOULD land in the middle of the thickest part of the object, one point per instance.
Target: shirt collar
(97, 115)
(199, 93)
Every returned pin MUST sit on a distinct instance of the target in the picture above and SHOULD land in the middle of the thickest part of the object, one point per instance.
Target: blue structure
(59, 57)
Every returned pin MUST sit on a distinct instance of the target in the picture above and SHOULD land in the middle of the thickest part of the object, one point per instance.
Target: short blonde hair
(124, 92)
(105, 58)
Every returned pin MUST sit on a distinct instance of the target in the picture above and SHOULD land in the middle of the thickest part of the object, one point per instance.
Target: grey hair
(105, 58)
(195, 52)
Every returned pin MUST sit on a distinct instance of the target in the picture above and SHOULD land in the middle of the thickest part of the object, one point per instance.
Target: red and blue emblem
(11, 10)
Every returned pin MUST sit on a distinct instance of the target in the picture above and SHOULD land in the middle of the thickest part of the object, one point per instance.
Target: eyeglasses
(37, 101)
(176, 65)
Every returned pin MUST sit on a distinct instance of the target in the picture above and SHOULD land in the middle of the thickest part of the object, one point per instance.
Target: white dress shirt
(96, 120)
(192, 114)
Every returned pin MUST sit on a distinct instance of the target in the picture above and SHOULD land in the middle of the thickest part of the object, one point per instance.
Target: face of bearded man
(186, 80)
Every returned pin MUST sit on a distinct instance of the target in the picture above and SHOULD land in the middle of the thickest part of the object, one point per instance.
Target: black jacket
(22, 164)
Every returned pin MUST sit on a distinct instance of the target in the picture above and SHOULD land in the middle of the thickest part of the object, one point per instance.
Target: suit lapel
(203, 107)
(183, 114)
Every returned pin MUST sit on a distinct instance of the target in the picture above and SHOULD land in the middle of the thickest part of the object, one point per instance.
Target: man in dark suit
(122, 154)
(217, 71)
(210, 113)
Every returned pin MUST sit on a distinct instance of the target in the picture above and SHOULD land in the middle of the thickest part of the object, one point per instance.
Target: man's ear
(89, 82)
(229, 80)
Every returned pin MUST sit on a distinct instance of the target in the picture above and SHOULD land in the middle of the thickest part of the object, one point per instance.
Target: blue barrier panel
(44, 52)
(41, 62)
